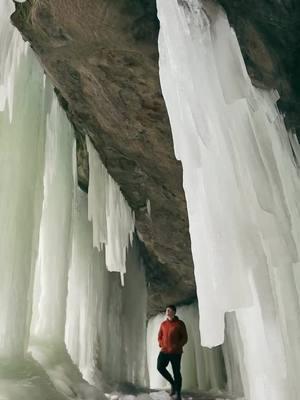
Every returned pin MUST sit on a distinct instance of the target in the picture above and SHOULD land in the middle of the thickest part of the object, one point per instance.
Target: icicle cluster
(202, 369)
(242, 187)
(84, 293)
(62, 315)
(21, 167)
(56, 228)
(112, 218)
(96, 325)
(13, 49)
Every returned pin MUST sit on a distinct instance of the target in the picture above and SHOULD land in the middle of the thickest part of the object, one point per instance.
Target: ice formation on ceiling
(241, 180)
(112, 218)
(64, 329)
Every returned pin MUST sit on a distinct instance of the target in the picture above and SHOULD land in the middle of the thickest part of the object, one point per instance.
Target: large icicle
(36, 243)
(50, 288)
(21, 167)
(106, 325)
(134, 318)
(84, 293)
(24, 100)
(112, 218)
(47, 343)
(242, 188)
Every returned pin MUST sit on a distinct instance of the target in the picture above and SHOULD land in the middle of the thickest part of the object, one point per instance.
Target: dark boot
(173, 391)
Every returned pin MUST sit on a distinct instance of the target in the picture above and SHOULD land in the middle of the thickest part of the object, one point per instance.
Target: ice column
(112, 218)
(233, 357)
(85, 293)
(25, 99)
(134, 317)
(122, 323)
(50, 289)
(47, 343)
(241, 180)
(202, 368)
(106, 324)
(43, 259)
(21, 166)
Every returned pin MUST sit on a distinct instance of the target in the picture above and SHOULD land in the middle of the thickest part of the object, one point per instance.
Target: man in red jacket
(172, 336)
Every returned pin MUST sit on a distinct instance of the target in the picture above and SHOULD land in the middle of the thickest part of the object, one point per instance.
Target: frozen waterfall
(68, 329)
(21, 143)
(241, 180)
(96, 310)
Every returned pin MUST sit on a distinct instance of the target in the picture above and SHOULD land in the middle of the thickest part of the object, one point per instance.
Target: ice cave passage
(71, 272)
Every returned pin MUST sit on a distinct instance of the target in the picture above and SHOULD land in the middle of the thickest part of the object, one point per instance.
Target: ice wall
(24, 103)
(112, 218)
(233, 356)
(202, 369)
(84, 295)
(241, 180)
(21, 144)
(134, 329)
(106, 324)
(64, 319)
(83, 321)
(50, 288)
(47, 343)
(122, 324)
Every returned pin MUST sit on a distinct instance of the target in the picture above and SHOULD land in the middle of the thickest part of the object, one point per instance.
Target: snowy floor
(163, 395)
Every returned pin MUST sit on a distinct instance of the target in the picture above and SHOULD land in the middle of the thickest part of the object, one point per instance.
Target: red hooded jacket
(172, 336)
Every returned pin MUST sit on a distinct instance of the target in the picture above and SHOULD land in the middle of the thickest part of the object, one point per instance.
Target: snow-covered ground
(164, 395)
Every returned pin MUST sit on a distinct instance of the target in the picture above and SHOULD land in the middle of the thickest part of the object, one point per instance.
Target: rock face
(269, 36)
(102, 57)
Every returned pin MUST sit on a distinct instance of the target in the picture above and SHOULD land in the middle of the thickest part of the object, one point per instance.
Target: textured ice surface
(52, 277)
(106, 325)
(231, 353)
(50, 288)
(21, 167)
(202, 368)
(25, 102)
(241, 180)
(84, 293)
(112, 218)
(13, 49)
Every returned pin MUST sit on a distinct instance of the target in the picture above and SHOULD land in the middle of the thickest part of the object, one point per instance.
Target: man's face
(170, 314)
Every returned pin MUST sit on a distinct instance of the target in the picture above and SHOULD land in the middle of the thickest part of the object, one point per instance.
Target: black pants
(175, 360)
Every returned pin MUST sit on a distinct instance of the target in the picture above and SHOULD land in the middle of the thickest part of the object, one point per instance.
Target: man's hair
(172, 307)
